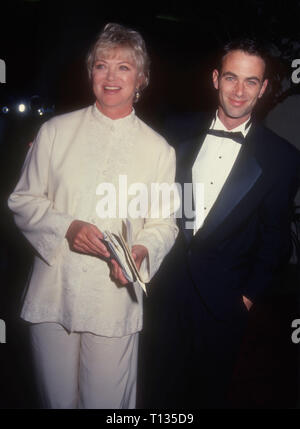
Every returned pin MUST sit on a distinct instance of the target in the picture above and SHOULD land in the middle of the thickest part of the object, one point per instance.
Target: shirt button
(220, 157)
(211, 183)
(84, 269)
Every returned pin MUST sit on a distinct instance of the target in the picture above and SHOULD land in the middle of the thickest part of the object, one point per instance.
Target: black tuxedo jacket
(245, 238)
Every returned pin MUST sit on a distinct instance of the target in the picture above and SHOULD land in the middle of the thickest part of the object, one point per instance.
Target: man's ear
(215, 77)
(263, 88)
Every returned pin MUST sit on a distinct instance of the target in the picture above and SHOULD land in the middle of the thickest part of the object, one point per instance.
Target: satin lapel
(186, 155)
(184, 177)
(241, 179)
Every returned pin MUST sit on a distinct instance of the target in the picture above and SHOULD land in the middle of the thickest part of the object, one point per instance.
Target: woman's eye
(99, 66)
(124, 67)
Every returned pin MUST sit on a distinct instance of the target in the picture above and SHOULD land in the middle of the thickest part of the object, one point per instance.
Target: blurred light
(27, 107)
(21, 107)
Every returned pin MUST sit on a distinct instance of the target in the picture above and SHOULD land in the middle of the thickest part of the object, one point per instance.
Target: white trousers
(83, 370)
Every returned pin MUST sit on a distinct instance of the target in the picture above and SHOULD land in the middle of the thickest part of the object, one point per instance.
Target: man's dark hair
(251, 46)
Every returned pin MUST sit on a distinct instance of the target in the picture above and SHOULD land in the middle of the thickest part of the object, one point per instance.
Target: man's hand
(138, 252)
(247, 303)
(84, 237)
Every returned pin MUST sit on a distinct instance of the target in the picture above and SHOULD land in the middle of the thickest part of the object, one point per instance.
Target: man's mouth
(237, 103)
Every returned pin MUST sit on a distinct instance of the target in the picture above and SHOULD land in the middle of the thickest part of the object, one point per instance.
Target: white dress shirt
(71, 156)
(212, 167)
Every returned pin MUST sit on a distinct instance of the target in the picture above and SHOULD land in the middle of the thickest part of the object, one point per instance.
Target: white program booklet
(120, 247)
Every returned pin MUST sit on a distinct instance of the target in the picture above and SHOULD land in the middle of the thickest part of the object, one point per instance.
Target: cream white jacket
(71, 156)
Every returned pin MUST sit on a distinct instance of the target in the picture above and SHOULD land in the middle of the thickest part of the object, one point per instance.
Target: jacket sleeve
(159, 232)
(34, 211)
(274, 235)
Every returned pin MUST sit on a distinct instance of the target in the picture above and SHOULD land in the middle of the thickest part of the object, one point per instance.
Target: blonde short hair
(116, 35)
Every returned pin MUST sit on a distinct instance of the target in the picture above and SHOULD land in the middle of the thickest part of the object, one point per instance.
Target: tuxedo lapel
(186, 159)
(241, 179)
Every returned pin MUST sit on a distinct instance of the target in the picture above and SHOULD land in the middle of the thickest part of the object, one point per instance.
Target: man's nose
(239, 89)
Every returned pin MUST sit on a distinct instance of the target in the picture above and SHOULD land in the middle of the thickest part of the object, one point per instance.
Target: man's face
(240, 83)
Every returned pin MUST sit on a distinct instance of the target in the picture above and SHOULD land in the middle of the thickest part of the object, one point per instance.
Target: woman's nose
(110, 74)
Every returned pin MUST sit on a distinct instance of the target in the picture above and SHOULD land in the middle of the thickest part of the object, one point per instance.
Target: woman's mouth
(111, 89)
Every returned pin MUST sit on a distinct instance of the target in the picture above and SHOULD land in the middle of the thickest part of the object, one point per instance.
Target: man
(199, 302)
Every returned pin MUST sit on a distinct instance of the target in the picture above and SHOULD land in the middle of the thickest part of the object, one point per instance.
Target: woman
(84, 317)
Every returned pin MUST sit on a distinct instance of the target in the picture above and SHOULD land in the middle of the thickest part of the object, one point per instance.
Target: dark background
(44, 44)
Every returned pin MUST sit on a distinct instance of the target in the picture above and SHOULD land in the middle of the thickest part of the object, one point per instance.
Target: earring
(137, 95)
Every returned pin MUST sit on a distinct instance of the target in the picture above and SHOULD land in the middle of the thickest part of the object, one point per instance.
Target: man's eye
(252, 82)
(229, 78)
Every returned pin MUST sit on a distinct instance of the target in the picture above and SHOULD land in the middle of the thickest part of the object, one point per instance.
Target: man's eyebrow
(228, 73)
(254, 78)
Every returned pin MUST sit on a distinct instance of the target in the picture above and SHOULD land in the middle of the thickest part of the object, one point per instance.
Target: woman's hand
(84, 237)
(138, 252)
(116, 273)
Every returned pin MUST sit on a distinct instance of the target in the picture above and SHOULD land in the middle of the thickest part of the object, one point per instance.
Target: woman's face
(115, 80)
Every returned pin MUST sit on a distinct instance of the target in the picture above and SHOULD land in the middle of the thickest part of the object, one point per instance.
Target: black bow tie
(237, 136)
